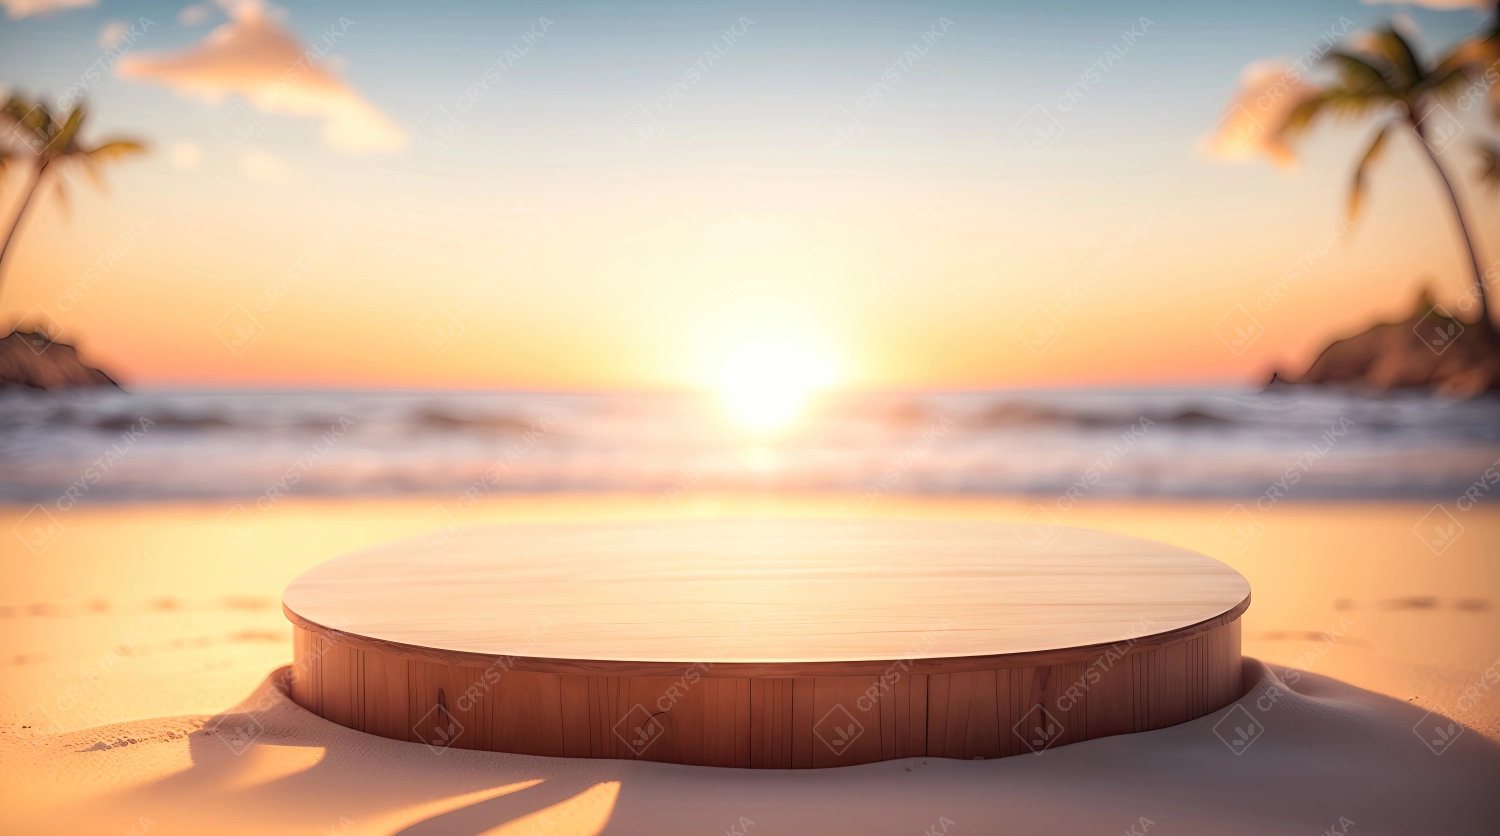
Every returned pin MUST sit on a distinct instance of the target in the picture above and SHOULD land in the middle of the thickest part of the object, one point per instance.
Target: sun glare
(763, 383)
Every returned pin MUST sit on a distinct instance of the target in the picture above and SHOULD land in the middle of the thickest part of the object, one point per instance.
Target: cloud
(265, 167)
(112, 33)
(1249, 126)
(22, 8)
(193, 15)
(255, 56)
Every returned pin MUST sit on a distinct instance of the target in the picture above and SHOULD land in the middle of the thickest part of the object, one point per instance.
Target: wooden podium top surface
(782, 591)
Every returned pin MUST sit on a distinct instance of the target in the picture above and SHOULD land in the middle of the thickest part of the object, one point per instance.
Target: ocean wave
(1189, 443)
(1022, 414)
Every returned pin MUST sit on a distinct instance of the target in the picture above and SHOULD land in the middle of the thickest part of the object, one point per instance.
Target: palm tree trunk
(16, 224)
(1463, 229)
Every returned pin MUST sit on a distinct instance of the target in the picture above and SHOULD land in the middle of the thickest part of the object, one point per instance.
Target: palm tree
(1384, 78)
(48, 145)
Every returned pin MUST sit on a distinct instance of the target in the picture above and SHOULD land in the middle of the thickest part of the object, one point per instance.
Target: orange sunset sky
(558, 255)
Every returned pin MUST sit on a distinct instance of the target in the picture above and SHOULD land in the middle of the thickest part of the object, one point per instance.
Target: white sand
(138, 627)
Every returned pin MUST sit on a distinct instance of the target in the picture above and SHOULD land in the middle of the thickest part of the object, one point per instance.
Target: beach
(678, 418)
(139, 625)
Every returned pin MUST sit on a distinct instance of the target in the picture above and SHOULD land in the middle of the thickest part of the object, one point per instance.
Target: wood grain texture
(776, 592)
(735, 708)
(769, 722)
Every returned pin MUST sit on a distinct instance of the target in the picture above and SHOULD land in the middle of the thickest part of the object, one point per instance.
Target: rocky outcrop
(1429, 349)
(31, 358)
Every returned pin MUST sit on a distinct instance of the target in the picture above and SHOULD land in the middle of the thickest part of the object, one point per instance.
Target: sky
(562, 195)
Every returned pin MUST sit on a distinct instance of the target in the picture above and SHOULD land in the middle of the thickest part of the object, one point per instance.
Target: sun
(763, 382)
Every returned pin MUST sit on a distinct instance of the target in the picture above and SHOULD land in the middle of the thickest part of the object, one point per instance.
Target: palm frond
(1446, 86)
(66, 135)
(39, 120)
(115, 149)
(1358, 73)
(1301, 117)
(15, 109)
(91, 160)
(31, 121)
(1368, 81)
(1339, 104)
(1371, 155)
(1394, 48)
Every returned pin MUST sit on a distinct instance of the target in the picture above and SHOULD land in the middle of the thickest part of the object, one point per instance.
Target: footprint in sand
(166, 603)
(1432, 602)
(1300, 636)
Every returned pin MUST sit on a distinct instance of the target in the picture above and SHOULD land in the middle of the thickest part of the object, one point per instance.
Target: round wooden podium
(774, 644)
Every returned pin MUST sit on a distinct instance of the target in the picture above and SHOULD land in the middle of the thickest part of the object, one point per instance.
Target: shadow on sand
(1321, 750)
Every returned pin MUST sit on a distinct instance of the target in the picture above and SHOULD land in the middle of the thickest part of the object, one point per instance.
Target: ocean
(1288, 445)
